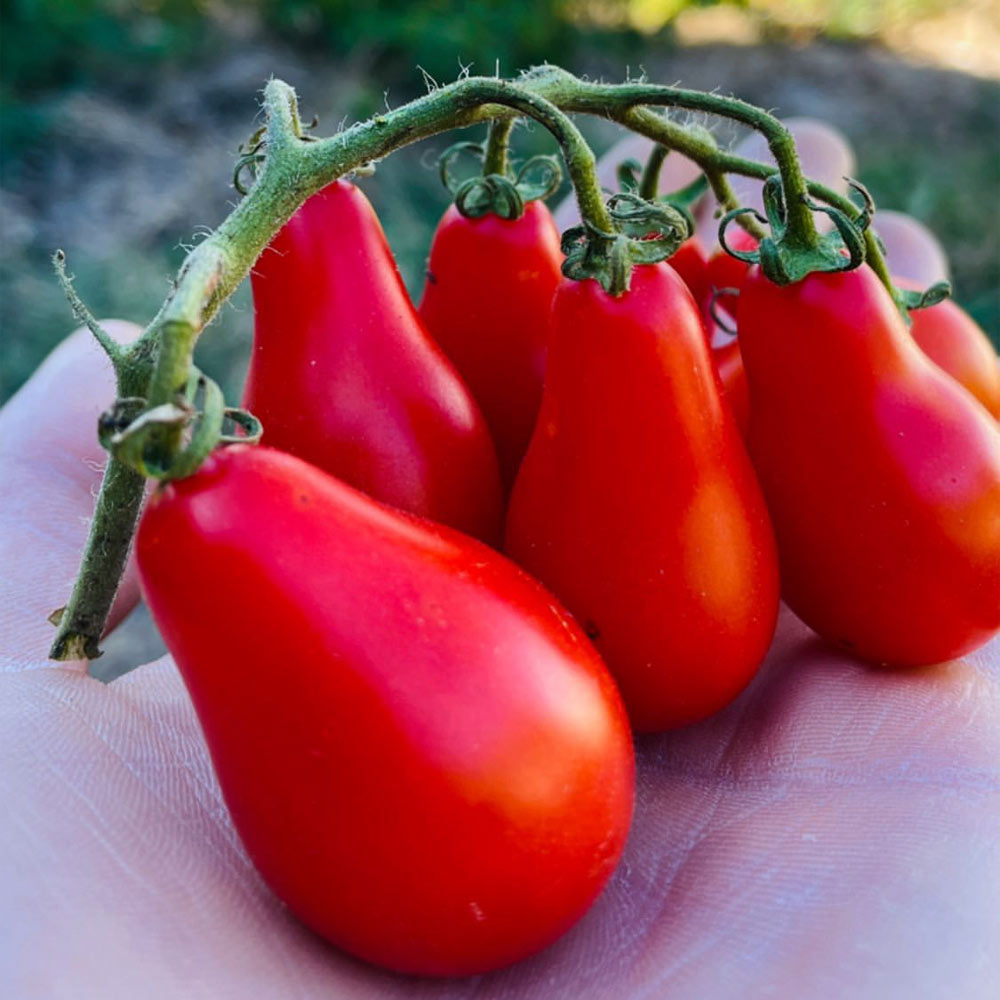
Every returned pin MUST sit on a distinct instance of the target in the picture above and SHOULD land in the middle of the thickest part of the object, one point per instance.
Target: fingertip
(912, 250)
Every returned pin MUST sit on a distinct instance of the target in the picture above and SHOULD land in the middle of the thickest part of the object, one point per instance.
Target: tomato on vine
(344, 374)
(881, 473)
(636, 502)
(494, 266)
(691, 262)
(424, 757)
(953, 340)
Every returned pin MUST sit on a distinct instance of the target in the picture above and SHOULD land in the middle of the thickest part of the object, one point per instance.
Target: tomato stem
(495, 160)
(616, 99)
(649, 184)
(81, 623)
(699, 146)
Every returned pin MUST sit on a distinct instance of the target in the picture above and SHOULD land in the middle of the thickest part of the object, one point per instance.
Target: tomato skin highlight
(487, 302)
(425, 758)
(637, 504)
(344, 374)
(882, 475)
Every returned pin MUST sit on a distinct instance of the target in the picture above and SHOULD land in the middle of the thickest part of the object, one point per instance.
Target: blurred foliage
(51, 43)
(843, 19)
(447, 36)
(360, 56)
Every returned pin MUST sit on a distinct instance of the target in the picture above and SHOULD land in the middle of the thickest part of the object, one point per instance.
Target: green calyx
(785, 256)
(645, 233)
(198, 421)
(931, 296)
(726, 325)
(504, 195)
(634, 178)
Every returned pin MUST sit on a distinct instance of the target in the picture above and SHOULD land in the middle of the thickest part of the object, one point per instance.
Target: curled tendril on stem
(128, 430)
(252, 153)
(931, 296)
(747, 256)
(864, 218)
(550, 176)
(248, 161)
(448, 157)
(713, 309)
(494, 193)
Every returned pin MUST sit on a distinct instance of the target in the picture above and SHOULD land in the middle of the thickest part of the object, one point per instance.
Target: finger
(676, 172)
(912, 250)
(824, 154)
(50, 468)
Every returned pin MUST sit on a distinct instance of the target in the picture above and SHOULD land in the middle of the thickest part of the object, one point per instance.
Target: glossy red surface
(424, 756)
(637, 505)
(487, 302)
(344, 374)
(881, 473)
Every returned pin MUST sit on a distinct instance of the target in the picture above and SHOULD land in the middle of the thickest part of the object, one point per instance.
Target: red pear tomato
(691, 263)
(424, 757)
(726, 271)
(487, 302)
(882, 475)
(344, 374)
(729, 365)
(636, 502)
(944, 332)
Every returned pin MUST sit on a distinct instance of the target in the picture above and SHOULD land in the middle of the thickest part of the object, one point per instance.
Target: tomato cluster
(428, 758)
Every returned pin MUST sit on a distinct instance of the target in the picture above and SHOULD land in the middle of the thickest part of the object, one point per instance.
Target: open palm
(833, 833)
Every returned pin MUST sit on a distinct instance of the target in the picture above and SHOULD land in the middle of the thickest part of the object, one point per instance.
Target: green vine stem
(699, 146)
(156, 367)
(495, 160)
(616, 99)
(649, 183)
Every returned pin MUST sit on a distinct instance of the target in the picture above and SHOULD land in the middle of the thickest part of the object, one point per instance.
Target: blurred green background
(119, 121)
